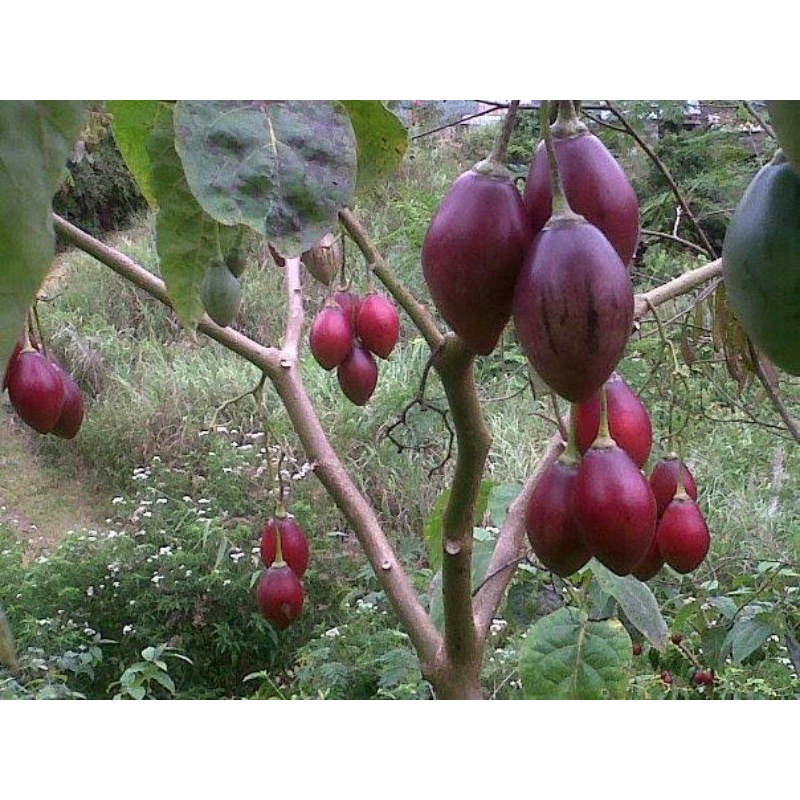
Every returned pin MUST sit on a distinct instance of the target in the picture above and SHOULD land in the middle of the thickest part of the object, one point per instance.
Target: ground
(36, 501)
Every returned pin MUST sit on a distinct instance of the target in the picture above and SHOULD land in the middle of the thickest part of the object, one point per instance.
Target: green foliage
(569, 657)
(35, 140)
(132, 122)
(149, 678)
(294, 159)
(381, 140)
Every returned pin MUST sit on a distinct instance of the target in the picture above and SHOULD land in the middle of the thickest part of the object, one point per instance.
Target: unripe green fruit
(221, 294)
(236, 261)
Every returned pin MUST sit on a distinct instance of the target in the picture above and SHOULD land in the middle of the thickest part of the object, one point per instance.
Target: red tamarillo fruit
(628, 421)
(595, 184)
(472, 254)
(682, 534)
(280, 595)
(36, 390)
(614, 507)
(651, 564)
(294, 543)
(349, 302)
(549, 522)
(358, 375)
(664, 481)
(378, 324)
(573, 307)
(71, 417)
(331, 337)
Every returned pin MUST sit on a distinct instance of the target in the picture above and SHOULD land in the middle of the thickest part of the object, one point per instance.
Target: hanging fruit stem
(561, 207)
(494, 165)
(567, 123)
(604, 439)
(500, 149)
(572, 455)
(278, 562)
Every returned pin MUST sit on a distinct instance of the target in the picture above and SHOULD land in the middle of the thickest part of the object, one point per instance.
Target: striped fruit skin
(614, 508)
(573, 308)
(472, 255)
(595, 185)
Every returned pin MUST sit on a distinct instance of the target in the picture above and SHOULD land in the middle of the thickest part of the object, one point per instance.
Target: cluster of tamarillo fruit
(42, 391)
(349, 331)
(285, 553)
(556, 261)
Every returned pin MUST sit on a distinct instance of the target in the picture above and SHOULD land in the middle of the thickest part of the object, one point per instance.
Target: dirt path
(38, 502)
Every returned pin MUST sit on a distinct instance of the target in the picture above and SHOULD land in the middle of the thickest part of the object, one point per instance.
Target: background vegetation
(156, 598)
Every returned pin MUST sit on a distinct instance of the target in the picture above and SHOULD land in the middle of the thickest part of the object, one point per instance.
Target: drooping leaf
(283, 168)
(36, 137)
(568, 657)
(433, 524)
(381, 140)
(636, 600)
(187, 239)
(132, 123)
(745, 637)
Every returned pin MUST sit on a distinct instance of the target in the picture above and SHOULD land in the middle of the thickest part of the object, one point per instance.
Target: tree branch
(282, 367)
(662, 168)
(676, 287)
(418, 313)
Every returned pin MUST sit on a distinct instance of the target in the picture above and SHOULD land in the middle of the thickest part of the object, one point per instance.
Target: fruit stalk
(500, 148)
(561, 207)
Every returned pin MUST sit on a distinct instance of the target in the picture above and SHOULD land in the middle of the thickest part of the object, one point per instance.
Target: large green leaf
(132, 123)
(283, 168)
(501, 497)
(568, 657)
(745, 637)
(36, 138)
(434, 523)
(187, 238)
(636, 600)
(381, 139)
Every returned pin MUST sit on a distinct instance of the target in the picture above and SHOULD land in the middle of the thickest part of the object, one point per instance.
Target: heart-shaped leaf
(283, 168)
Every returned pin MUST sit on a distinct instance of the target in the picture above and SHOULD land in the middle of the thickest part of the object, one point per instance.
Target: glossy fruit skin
(761, 264)
(221, 293)
(378, 324)
(650, 565)
(280, 596)
(552, 530)
(784, 115)
(573, 308)
(331, 337)
(683, 536)
(472, 255)
(358, 375)
(11, 361)
(628, 421)
(72, 412)
(664, 482)
(294, 543)
(349, 302)
(595, 185)
(36, 390)
(614, 508)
